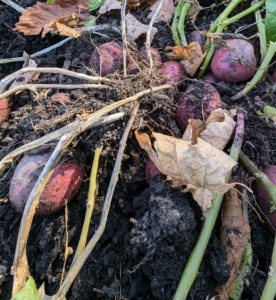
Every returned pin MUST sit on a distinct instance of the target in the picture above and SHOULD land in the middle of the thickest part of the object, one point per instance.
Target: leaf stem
(259, 74)
(177, 14)
(262, 35)
(191, 270)
(90, 204)
(181, 22)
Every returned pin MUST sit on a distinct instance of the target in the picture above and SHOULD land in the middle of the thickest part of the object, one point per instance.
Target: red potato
(156, 57)
(196, 36)
(236, 64)
(62, 186)
(198, 98)
(264, 200)
(172, 72)
(5, 104)
(107, 58)
(210, 78)
(151, 171)
(273, 76)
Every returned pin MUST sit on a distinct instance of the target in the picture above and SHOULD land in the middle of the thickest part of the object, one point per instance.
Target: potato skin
(196, 36)
(5, 104)
(172, 71)
(156, 57)
(197, 98)
(62, 186)
(108, 58)
(151, 171)
(227, 66)
(264, 200)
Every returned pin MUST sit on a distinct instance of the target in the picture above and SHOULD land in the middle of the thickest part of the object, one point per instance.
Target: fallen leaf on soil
(190, 56)
(234, 236)
(67, 31)
(165, 13)
(135, 28)
(201, 166)
(216, 131)
(25, 77)
(193, 11)
(41, 16)
(110, 5)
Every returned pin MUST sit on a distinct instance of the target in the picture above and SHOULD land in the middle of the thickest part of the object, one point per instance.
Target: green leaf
(28, 292)
(49, 1)
(270, 112)
(94, 4)
(270, 20)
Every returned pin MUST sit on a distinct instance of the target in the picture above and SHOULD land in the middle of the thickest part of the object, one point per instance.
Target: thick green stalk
(193, 264)
(269, 291)
(177, 14)
(181, 22)
(262, 35)
(89, 205)
(209, 54)
(259, 74)
(263, 180)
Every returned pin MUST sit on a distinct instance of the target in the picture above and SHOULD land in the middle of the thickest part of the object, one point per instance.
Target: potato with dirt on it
(107, 58)
(172, 72)
(5, 104)
(151, 171)
(236, 62)
(62, 186)
(156, 57)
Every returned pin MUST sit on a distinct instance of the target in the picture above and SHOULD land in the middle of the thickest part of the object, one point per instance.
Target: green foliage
(94, 4)
(49, 1)
(270, 20)
(28, 292)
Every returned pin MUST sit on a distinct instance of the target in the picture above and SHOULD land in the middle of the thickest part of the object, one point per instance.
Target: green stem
(90, 205)
(269, 291)
(209, 54)
(191, 270)
(263, 180)
(262, 35)
(181, 22)
(177, 13)
(259, 74)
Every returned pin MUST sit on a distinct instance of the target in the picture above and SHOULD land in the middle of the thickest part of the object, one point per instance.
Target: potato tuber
(172, 72)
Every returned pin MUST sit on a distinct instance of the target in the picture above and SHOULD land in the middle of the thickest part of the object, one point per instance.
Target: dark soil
(142, 261)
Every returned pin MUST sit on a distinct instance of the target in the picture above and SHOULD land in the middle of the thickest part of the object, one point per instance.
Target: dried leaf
(190, 56)
(217, 131)
(41, 16)
(26, 77)
(67, 31)
(165, 13)
(193, 11)
(234, 236)
(135, 28)
(201, 166)
(110, 5)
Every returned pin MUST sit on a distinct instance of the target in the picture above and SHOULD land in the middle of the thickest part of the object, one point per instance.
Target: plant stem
(269, 291)
(193, 264)
(263, 180)
(209, 54)
(262, 35)
(259, 74)
(124, 36)
(175, 22)
(90, 204)
(181, 22)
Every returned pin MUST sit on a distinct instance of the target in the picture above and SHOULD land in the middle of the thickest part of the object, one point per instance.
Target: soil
(151, 230)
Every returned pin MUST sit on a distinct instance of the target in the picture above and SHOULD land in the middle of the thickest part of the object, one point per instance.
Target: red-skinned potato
(63, 185)
(196, 36)
(264, 200)
(273, 76)
(151, 171)
(236, 63)
(5, 104)
(198, 98)
(107, 58)
(172, 72)
(210, 78)
(157, 60)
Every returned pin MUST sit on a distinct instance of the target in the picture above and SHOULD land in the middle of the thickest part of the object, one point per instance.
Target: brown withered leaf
(190, 56)
(40, 16)
(67, 31)
(110, 5)
(234, 236)
(216, 131)
(28, 76)
(201, 166)
(165, 13)
(193, 11)
(135, 28)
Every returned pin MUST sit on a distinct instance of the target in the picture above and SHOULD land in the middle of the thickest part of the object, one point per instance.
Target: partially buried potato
(62, 186)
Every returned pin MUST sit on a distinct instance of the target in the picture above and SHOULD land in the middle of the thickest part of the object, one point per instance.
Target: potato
(172, 72)
(107, 58)
(5, 104)
(61, 98)
(151, 171)
(210, 78)
(198, 98)
(63, 185)
(236, 63)
(196, 36)
(157, 60)
(264, 200)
